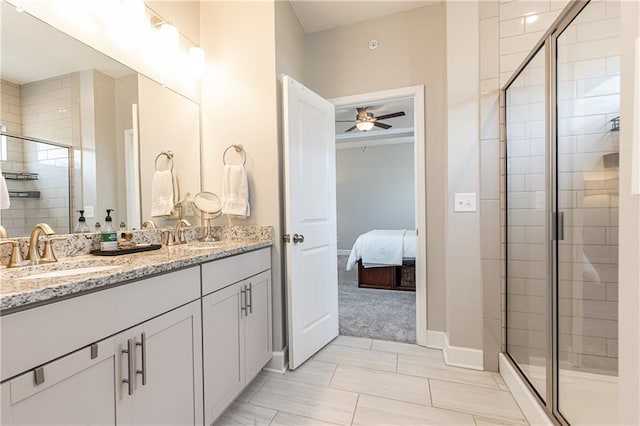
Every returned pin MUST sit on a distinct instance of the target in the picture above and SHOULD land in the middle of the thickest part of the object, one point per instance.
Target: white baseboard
(344, 252)
(528, 402)
(436, 339)
(279, 362)
(457, 356)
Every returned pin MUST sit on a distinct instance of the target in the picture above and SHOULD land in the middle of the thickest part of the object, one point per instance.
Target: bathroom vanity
(164, 337)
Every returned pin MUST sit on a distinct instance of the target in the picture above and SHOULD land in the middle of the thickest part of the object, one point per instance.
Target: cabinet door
(169, 354)
(75, 390)
(257, 328)
(223, 344)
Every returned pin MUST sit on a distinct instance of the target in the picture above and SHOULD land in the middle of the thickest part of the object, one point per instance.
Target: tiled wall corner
(489, 179)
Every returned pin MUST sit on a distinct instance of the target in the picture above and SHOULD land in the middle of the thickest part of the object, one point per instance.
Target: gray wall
(375, 190)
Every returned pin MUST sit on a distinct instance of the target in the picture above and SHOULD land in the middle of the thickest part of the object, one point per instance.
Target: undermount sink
(70, 272)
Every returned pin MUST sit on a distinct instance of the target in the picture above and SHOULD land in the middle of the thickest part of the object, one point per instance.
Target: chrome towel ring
(239, 149)
(169, 155)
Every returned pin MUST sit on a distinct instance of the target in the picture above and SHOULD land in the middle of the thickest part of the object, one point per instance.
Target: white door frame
(419, 148)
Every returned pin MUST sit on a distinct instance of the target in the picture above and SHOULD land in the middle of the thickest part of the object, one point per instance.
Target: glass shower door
(588, 110)
(527, 241)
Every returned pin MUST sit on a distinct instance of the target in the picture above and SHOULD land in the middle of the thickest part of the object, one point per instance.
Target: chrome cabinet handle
(298, 238)
(243, 300)
(130, 365)
(250, 304)
(143, 350)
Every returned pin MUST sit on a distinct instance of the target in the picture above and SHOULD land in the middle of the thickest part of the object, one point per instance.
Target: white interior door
(310, 201)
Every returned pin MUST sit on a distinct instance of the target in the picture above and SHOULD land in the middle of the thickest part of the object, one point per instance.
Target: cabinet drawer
(35, 336)
(57, 371)
(221, 273)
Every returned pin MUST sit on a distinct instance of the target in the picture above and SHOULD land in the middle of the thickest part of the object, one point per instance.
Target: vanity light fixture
(168, 32)
(364, 126)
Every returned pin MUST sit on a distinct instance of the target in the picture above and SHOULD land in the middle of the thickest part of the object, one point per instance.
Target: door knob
(298, 238)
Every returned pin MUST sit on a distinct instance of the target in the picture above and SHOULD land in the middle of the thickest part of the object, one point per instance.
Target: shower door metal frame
(549, 42)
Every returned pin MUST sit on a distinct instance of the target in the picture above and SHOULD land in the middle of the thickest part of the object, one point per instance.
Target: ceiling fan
(365, 120)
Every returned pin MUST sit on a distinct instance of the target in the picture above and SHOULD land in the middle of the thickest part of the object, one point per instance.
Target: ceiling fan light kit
(366, 121)
(364, 126)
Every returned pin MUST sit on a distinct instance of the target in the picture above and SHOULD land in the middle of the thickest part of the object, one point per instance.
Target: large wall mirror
(80, 130)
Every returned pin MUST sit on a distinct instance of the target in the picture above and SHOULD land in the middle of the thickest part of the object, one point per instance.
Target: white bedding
(379, 248)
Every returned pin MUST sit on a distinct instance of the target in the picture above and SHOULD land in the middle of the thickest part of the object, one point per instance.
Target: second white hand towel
(235, 191)
(5, 202)
(162, 193)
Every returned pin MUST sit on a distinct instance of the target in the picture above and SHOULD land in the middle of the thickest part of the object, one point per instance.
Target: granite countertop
(21, 288)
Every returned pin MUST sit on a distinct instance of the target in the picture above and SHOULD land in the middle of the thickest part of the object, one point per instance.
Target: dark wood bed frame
(388, 277)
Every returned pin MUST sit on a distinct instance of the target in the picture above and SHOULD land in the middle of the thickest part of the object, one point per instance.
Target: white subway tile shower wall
(10, 116)
(522, 25)
(490, 180)
(42, 109)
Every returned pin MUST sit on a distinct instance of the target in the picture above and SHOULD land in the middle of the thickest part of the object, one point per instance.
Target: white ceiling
(32, 51)
(401, 126)
(319, 15)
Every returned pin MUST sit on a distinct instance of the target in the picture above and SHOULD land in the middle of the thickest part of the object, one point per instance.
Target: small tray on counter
(119, 252)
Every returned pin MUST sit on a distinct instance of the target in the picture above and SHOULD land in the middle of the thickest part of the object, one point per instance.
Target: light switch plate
(88, 212)
(465, 202)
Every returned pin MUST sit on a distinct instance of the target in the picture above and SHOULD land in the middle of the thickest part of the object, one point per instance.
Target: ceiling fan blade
(392, 115)
(344, 121)
(379, 124)
(350, 129)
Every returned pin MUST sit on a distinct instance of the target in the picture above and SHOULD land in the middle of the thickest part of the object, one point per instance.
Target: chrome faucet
(178, 234)
(34, 253)
(149, 224)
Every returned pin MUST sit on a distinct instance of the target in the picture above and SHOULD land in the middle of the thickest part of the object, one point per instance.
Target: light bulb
(169, 35)
(364, 126)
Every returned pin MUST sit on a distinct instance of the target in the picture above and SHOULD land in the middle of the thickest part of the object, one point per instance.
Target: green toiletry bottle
(108, 236)
(82, 226)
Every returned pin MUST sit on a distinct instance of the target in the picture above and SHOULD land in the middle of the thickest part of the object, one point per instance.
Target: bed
(385, 259)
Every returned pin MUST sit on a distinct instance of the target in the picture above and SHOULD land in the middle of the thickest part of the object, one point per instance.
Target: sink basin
(70, 272)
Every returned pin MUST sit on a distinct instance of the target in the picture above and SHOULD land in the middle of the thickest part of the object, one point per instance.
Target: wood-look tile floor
(357, 381)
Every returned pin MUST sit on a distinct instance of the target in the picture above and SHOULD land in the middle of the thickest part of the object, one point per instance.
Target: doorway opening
(380, 191)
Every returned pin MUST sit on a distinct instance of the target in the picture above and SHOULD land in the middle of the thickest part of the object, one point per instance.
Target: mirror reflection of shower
(38, 178)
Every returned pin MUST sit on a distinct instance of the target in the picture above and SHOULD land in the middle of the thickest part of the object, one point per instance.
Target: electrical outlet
(465, 202)
(88, 212)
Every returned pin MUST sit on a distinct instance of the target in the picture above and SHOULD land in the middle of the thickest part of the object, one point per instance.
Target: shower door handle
(559, 228)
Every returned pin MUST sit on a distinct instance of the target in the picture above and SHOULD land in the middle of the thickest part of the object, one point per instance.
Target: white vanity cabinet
(86, 386)
(236, 326)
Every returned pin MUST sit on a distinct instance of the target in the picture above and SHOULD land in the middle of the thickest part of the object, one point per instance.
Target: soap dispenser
(82, 226)
(108, 236)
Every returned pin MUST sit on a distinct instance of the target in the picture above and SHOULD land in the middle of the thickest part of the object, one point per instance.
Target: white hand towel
(162, 187)
(5, 202)
(235, 191)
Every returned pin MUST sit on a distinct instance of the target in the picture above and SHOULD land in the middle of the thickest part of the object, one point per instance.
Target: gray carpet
(378, 314)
